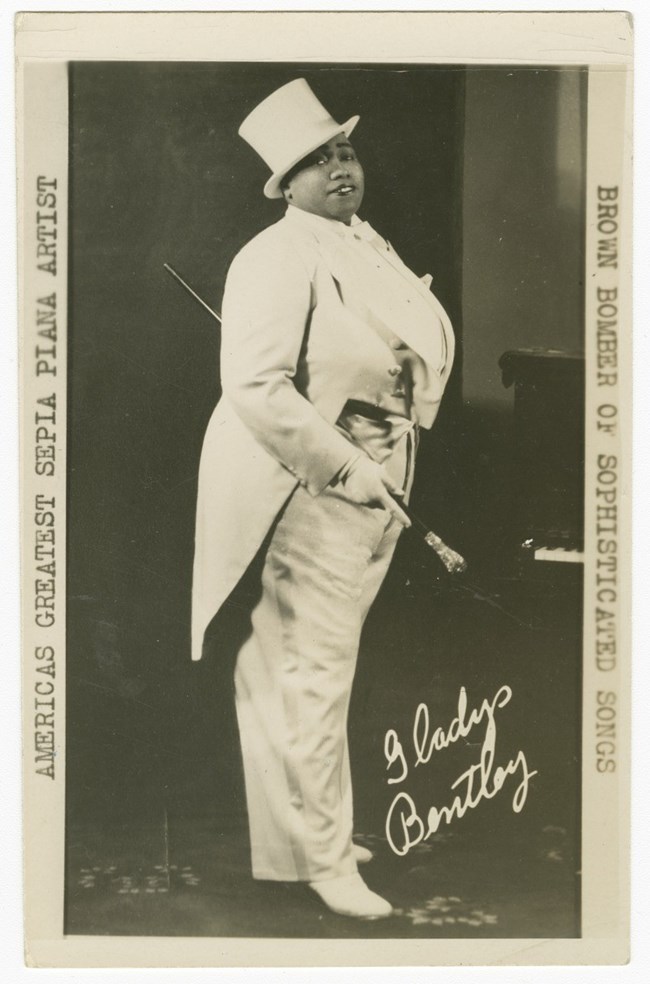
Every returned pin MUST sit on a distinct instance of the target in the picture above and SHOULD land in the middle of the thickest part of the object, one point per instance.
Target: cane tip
(458, 565)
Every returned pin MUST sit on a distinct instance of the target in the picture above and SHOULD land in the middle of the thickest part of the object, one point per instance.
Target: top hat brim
(272, 186)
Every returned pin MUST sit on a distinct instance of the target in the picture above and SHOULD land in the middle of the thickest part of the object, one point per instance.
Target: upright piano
(549, 452)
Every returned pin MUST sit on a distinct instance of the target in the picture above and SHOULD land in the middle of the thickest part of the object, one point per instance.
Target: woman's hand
(369, 484)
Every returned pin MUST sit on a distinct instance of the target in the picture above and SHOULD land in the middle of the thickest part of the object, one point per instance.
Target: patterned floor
(192, 878)
(157, 837)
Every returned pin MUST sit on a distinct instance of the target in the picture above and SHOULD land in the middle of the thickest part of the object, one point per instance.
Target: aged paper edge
(600, 40)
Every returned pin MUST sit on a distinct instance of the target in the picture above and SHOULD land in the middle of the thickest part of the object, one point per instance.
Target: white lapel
(422, 284)
(400, 302)
(395, 296)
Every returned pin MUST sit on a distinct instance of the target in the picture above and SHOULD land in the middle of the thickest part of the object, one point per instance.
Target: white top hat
(288, 125)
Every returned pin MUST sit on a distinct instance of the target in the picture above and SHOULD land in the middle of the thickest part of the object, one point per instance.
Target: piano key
(563, 555)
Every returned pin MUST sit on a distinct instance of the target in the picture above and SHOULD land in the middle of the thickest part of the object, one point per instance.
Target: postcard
(326, 467)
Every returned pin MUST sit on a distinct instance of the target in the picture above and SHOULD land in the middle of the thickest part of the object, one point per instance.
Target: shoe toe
(350, 896)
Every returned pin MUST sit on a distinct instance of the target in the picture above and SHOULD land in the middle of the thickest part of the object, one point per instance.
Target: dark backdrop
(158, 174)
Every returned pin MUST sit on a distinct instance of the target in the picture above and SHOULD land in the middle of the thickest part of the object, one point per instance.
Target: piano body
(549, 452)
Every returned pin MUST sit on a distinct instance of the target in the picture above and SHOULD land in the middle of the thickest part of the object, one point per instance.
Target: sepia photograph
(323, 512)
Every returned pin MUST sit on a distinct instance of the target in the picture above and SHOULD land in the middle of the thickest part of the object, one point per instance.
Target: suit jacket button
(394, 371)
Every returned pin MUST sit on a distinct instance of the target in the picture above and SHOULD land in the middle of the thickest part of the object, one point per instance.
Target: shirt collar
(356, 230)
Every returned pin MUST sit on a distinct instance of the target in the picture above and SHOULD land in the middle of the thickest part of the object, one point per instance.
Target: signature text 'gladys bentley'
(483, 780)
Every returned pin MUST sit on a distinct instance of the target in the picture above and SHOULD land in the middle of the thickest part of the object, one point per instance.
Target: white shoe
(350, 896)
(361, 854)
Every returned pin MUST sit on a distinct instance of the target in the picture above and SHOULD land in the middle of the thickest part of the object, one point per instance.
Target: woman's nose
(339, 170)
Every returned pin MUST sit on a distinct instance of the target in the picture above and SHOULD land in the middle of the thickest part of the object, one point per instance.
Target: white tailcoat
(305, 322)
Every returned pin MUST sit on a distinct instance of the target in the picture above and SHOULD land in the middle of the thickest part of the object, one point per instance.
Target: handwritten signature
(404, 826)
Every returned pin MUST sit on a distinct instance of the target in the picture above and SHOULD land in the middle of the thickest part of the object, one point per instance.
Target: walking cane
(451, 560)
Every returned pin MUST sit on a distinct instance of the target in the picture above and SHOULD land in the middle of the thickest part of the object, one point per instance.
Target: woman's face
(329, 182)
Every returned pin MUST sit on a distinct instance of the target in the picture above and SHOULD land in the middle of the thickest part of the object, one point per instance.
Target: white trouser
(324, 565)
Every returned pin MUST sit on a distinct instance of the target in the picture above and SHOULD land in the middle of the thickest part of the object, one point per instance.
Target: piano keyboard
(561, 555)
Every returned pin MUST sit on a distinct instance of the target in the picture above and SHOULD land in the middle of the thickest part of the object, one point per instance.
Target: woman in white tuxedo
(333, 355)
